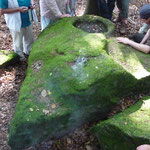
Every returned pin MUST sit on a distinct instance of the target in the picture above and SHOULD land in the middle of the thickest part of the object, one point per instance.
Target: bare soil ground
(12, 77)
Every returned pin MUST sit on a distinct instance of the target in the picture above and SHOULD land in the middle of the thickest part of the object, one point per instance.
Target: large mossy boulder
(71, 79)
(7, 57)
(126, 130)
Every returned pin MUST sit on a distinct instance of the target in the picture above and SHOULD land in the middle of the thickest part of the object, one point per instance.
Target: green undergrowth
(134, 61)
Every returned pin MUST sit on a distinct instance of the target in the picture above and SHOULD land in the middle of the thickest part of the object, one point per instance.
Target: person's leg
(111, 6)
(18, 43)
(28, 39)
(103, 9)
(73, 3)
(123, 6)
(44, 22)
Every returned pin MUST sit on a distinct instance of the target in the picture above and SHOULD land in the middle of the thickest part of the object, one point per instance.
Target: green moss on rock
(7, 57)
(134, 61)
(70, 80)
(126, 130)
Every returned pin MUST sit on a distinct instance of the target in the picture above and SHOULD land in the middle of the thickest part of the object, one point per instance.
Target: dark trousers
(123, 6)
(106, 8)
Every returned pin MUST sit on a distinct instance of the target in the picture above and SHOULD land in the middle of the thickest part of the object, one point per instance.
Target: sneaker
(123, 28)
(124, 20)
(22, 58)
(121, 20)
(117, 20)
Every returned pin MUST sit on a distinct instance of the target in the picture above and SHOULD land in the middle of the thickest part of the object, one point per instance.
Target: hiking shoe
(123, 28)
(117, 20)
(121, 20)
(22, 58)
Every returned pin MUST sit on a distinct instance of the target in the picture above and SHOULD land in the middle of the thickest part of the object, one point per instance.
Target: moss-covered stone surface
(126, 130)
(71, 79)
(134, 61)
(7, 57)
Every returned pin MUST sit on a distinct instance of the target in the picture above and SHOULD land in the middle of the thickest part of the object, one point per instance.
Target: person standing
(71, 7)
(105, 9)
(123, 6)
(18, 21)
(52, 10)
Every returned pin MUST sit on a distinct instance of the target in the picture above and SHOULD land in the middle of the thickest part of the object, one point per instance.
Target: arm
(55, 9)
(52, 5)
(32, 2)
(14, 10)
(141, 47)
(147, 35)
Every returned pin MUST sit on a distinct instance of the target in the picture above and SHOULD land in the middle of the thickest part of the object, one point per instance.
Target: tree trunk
(92, 7)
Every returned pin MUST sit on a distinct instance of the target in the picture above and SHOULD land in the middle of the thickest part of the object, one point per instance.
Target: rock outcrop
(71, 79)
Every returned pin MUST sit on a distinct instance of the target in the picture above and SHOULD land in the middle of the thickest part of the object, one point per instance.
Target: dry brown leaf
(53, 106)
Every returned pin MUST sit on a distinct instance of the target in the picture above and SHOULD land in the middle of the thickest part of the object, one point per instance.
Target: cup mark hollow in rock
(95, 26)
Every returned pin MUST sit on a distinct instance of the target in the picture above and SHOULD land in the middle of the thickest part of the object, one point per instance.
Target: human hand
(143, 147)
(23, 9)
(65, 15)
(32, 6)
(123, 40)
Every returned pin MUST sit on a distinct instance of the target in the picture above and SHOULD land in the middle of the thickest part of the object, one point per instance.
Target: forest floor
(12, 77)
